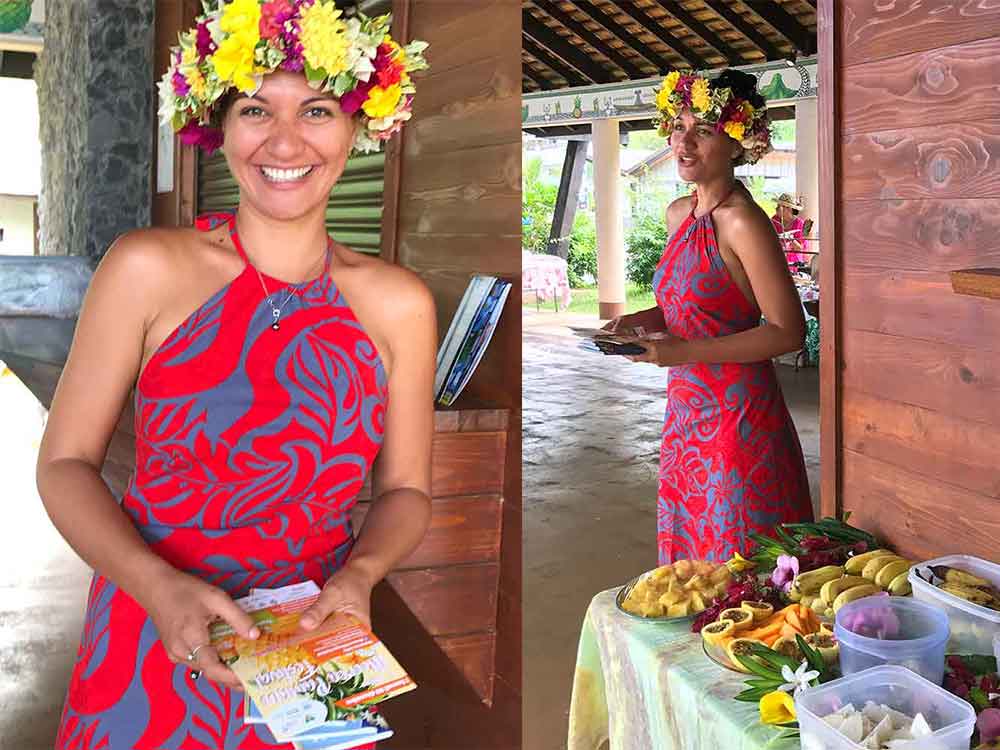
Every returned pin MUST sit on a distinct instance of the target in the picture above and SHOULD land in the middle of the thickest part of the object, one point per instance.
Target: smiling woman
(268, 373)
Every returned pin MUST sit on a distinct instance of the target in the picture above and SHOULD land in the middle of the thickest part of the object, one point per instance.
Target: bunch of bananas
(967, 586)
(827, 589)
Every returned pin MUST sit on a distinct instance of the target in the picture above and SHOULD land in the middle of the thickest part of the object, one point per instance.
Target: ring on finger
(193, 654)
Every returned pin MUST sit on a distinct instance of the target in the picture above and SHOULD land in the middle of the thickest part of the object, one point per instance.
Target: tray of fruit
(672, 593)
(825, 590)
(758, 622)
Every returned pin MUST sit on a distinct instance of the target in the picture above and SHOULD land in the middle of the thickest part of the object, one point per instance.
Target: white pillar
(807, 162)
(610, 234)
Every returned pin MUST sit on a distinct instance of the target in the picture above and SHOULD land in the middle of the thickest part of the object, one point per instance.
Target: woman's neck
(290, 250)
(712, 192)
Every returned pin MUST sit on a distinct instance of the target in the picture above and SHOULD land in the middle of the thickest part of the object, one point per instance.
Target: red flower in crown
(273, 16)
(388, 70)
(203, 41)
(351, 101)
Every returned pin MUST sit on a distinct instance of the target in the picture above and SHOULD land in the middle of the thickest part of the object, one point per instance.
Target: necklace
(292, 292)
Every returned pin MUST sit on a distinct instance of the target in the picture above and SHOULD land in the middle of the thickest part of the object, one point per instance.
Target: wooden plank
(450, 601)
(461, 33)
(978, 282)
(874, 31)
(918, 305)
(475, 190)
(828, 145)
(447, 262)
(475, 107)
(920, 517)
(469, 463)
(473, 654)
(961, 161)
(949, 85)
(462, 530)
(923, 442)
(946, 378)
(927, 235)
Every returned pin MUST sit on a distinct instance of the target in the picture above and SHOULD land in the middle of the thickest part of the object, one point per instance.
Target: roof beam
(551, 41)
(539, 80)
(680, 49)
(552, 62)
(743, 26)
(697, 27)
(601, 45)
(787, 25)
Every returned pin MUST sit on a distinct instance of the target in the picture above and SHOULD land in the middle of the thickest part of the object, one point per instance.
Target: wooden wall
(915, 173)
(453, 209)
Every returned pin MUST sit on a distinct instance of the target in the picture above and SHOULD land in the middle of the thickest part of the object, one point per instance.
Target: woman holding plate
(730, 460)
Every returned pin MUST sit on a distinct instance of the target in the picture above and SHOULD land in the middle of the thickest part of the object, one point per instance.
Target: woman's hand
(181, 607)
(622, 324)
(349, 590)
(661, 350)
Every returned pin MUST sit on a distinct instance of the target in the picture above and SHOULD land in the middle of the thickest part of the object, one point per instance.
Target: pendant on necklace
(276, 314)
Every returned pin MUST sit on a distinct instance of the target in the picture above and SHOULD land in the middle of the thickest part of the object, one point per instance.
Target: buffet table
(650, 685)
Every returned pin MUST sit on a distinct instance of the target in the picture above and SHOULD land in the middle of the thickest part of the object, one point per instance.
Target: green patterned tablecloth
(646, 686)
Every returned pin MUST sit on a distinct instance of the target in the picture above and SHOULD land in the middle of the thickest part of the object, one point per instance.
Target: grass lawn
(585, 300)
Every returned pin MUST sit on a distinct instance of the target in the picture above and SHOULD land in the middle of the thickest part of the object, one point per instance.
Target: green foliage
(582, 259)
(537, 207)
(644, 247)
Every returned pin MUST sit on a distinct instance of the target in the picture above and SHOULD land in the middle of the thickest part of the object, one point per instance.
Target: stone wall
(95, 90)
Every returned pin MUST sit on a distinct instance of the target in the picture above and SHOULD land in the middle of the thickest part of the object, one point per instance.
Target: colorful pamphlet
(316, 689)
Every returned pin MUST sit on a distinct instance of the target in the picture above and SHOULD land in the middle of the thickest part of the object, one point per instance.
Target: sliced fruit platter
(670, 592)
(825, 590)
(738, 628)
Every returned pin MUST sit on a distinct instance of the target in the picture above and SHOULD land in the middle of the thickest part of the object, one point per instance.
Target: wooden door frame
(828, 136)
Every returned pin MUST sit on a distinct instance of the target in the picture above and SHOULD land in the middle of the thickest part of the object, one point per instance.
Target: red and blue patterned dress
(252, 445)
(730, 460)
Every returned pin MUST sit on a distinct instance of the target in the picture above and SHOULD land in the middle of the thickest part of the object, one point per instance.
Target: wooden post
(566, 199)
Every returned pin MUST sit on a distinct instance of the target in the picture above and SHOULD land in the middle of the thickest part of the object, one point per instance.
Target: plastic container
(972, 626)
(951, 718)
(996, 648)
(896, 630)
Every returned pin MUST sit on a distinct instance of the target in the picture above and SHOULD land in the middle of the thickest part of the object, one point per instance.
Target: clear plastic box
(914, 635)
(972, 626)
(951, 718)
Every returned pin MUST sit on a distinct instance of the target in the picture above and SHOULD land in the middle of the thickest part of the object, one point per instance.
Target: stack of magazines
(315, 689)
(468, 336)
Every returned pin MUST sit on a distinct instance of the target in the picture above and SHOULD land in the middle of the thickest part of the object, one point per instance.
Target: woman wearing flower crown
(270, 365)
(730, 461)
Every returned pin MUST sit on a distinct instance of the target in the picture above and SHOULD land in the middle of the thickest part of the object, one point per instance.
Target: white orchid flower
(798, 680)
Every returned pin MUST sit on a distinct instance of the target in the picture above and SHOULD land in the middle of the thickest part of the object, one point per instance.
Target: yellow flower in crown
(324, 41)
(382, 102)
(234, 59)
(670, 82)
(701, 99)
(735, 130)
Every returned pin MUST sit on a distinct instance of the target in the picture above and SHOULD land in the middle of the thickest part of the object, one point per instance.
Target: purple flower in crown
(203, 41)
(181, 87)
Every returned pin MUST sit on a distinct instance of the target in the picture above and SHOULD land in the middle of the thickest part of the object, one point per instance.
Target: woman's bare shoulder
(379, 280)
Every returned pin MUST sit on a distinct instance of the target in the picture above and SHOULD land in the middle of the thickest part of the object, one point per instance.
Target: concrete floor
(591, 450)
(43, 585)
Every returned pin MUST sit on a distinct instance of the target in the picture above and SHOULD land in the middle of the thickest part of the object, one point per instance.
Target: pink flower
(785, 572)
(195, 134)
(988, 725)
(203, 42)
(273, 16)
(351, 101)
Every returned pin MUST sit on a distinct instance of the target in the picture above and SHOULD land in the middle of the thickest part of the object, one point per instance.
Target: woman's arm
(753, 241)
(97, 378)
(401, 508)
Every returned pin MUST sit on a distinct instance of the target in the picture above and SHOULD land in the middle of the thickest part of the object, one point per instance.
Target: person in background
(791, 228)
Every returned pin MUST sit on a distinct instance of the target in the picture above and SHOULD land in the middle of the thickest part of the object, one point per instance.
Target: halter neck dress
(730, 458)
(252, 445)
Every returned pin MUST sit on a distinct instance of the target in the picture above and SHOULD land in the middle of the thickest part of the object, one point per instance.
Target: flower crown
(234, 44)
(715, 102)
